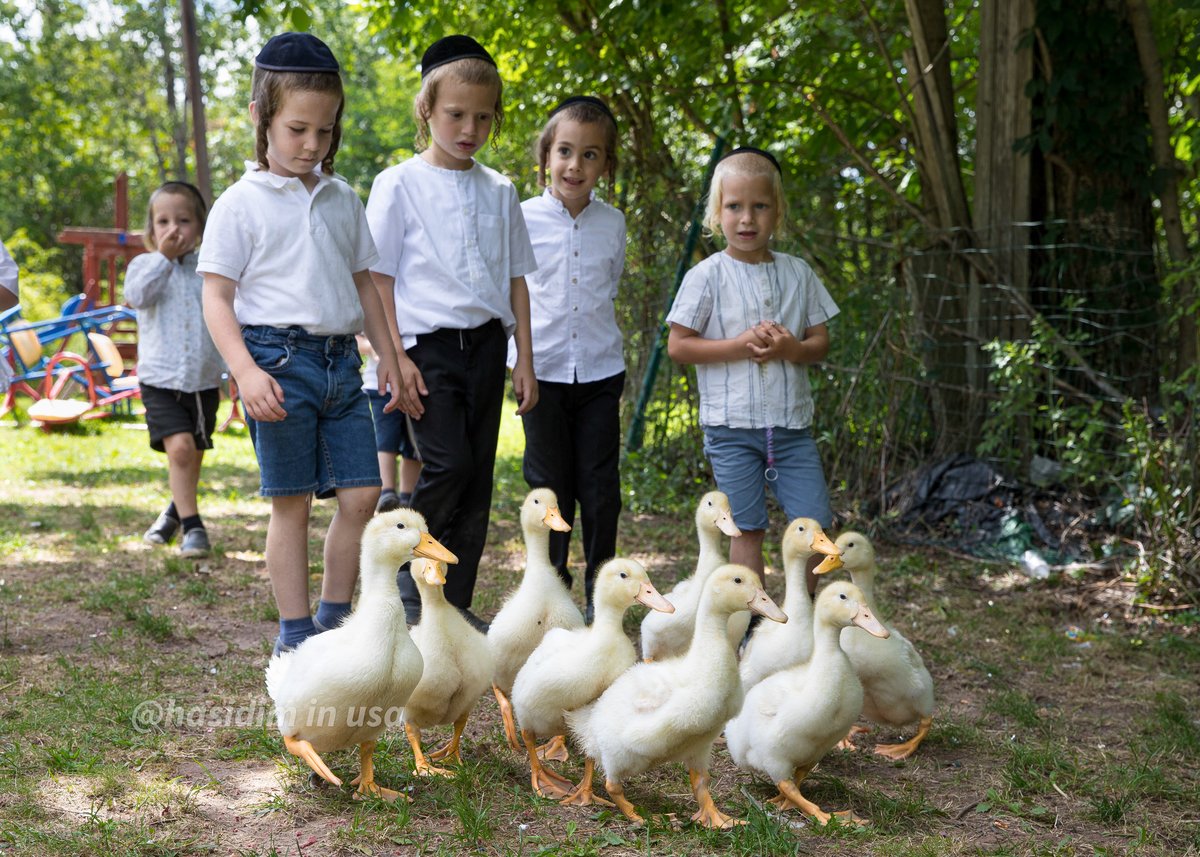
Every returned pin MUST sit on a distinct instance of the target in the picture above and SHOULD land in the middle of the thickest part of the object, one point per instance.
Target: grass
(1045, 742)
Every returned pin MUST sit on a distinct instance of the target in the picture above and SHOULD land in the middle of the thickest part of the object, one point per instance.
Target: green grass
(94, 624)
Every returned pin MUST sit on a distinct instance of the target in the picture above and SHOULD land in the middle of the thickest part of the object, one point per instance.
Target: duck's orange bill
(431, 548)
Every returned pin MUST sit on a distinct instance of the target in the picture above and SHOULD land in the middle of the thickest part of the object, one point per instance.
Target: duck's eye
(737, 580)
(842, 596)
(400, 526)
(624, 575)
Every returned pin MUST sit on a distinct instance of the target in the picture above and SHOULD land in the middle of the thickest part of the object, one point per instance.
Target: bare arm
(375, 324)
(260, 393)
(687, 346)
(412, 386)
(524, 382)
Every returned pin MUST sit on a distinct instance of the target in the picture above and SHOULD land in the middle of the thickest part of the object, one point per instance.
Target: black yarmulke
(585, 99)
(752, 150)
(296, 52)
(451, 48)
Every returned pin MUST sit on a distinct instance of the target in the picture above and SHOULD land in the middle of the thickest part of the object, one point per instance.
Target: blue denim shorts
(326, 441)
(391, 430)
(739, 462)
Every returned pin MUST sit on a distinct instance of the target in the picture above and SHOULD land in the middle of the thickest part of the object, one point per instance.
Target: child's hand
(172, 244)
(753, 338)
(390, 382)
(411, 387)
(261, 396)
(776, 342)
(525, 386)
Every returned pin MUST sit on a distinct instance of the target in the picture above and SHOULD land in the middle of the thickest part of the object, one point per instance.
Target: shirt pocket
(490, 234)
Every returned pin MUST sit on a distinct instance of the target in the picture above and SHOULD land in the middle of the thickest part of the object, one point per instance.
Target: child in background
(751, 320)
(573, 436)
(391, 439)
(179, 369)
(9, 298)
(286, 261)
(454, 250)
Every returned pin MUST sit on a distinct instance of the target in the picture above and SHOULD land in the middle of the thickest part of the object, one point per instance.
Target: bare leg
(183, 472)
(506, 715)
(896, 752)
(708, 814)
(355, 506)
(387, 470)
(545, 782)
(747, 550)
(366, 777)
(287, 554)
(410, 469)
(421, 766)
(306, 751)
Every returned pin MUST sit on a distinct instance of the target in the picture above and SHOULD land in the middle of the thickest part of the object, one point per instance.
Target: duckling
(541, 602)
(792, 718)
(665, 635)
(673, 710)
(570, 668)
(897, 688)
(458, 669)
(776, 647)
(345, 686)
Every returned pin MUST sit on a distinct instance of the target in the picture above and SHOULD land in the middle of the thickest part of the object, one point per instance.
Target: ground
(135, 719)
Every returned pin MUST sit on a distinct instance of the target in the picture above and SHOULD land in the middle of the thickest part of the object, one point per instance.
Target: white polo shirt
(572, 293)
(292, 253)
(721, 298)
(453, 240)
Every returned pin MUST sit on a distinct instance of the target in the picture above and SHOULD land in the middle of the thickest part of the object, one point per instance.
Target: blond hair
(469, 71)
(268, 91)
(186, 189)
(747, 165)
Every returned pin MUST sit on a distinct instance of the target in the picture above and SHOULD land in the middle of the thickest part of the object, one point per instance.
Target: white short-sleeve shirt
(453, 240)
(720, 298)
(572, 293)
(293, 253)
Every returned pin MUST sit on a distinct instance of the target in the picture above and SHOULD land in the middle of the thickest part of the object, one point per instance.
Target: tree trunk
(187, 18)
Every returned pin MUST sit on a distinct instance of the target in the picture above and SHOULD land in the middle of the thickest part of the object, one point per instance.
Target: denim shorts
(326, 441)
(739, 463)
(391, 430)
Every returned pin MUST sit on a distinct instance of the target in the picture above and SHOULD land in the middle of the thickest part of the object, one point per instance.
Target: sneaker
(389, 501)
(162, 530)
(195, 543)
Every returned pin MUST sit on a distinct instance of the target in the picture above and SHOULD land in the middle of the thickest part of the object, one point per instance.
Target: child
(286, 261)
(573, 436)
(9, 298)
(453, 247)
(392, 441)
(751, 320)
(179, 369)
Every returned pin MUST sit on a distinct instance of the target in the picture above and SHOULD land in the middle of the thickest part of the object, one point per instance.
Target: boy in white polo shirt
(454, 248)
(286, 258)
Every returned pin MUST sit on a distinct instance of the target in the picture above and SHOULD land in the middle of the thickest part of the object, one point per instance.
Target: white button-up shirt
(453, 240)
(720, 298)
(292, 253)
(572, 293)
(174, 349)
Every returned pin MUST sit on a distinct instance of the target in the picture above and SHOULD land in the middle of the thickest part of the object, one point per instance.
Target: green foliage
(43, 290)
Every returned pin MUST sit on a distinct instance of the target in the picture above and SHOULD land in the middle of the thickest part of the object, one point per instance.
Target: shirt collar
(559, 205)
(255, 173)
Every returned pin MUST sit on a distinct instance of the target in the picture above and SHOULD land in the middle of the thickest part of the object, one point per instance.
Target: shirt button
(574, 335)
(576, 252)
(574, 279)
(575, 308)
(576, 227)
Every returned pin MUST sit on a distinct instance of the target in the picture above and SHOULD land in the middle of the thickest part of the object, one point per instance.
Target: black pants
(456, 441)
(573, 446)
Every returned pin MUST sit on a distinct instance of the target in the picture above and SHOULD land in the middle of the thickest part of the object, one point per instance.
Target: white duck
(673, 710)
(345, 686)
(792, 718)
(570, 668)
(665, 635)
(458, 668)
(541, 602)
(774, 647)
(897, 688)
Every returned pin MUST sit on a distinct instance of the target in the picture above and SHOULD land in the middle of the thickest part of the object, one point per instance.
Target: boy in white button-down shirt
(454, 252)
(573, 436)
(751, 320)
(286, 258)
